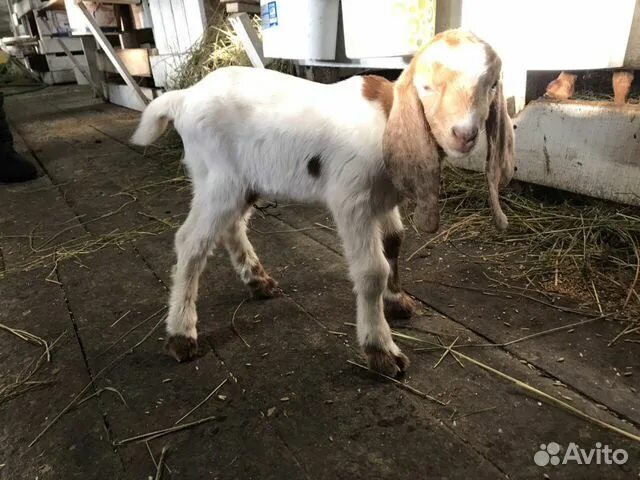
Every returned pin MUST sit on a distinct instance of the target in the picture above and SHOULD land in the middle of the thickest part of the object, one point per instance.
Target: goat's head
(451, 91)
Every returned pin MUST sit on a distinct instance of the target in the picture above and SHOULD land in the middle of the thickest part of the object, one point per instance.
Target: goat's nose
(465, 134)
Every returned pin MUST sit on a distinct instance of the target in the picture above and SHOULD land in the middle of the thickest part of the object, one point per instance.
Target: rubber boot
(13, 166)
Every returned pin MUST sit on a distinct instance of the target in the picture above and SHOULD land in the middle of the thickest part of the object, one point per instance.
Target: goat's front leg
(369, 271)
(397, 304)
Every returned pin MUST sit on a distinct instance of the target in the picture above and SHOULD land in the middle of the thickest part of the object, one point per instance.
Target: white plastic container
(387, 28)
(300, 29)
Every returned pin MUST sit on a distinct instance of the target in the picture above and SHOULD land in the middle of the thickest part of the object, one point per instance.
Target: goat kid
(359, 146)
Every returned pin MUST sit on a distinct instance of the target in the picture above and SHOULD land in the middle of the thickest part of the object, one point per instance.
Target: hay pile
(219, 47)
(556, 241)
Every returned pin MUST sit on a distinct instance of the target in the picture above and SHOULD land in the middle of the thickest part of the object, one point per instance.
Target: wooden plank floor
(292, 407)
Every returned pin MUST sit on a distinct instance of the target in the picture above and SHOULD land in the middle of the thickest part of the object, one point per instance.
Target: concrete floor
(292, 407)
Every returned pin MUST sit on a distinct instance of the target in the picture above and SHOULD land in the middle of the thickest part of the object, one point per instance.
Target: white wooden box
(177, 24)
(550, 34)
(62, 62)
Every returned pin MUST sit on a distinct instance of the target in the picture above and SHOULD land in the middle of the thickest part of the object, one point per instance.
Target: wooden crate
(62, 62)
(248, 6)
(60, 76)
(135, 59)
(49, 45)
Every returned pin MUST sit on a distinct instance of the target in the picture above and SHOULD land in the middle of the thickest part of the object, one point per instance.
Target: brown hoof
(265, 288)
(402, 307)
(385, 362)
(181, 348)
(501, 221)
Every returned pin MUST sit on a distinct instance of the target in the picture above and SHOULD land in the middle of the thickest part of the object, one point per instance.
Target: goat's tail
(156, 116)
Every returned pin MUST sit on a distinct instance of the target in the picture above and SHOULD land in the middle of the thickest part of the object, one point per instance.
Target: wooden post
(110, 52)
(250, 41)
(70, 55)
(91, 54)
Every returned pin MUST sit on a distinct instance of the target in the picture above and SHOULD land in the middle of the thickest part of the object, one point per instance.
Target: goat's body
(232, 123)
(249, 133)
(356, 146)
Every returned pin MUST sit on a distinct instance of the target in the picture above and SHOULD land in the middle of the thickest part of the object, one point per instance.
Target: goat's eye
(495, 85)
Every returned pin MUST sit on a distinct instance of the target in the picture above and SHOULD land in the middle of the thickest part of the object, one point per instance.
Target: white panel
(125, 96)
(62, 62)
(62, 76)
(177, 24)
(196, 19)
(51, 45)
(553, 34)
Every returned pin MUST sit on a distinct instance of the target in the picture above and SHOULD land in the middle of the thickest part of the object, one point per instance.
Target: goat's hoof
(265, 288)
(385, 361)
(501, 222)
(401, 306)
(181, 348)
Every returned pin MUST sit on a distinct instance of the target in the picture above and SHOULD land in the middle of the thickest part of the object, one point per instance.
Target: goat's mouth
(460, 150)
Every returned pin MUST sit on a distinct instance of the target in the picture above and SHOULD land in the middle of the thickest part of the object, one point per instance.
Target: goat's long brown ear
(500, 154)
(411, 155)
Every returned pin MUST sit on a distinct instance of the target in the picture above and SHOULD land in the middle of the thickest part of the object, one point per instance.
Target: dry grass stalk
(233, 323)
(23, 382)
(402, 385)
(213, 392)
(161, 462)
(97, 393)
(100, 373)
(145, 437)
(51, 255)
(530, 389)
(585, 246)
(29, 337)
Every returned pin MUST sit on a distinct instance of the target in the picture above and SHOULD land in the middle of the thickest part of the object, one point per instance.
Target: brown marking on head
(378, 89)
(451, 40)
(456, 75)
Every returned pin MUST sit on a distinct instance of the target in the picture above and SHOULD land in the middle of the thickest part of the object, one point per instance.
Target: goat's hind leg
(397, 304)
(211, 212)
(246, 262)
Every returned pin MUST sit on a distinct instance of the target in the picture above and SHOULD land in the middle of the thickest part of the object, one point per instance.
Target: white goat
(359, 146)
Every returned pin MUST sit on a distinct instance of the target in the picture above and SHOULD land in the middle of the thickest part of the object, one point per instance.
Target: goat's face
(450, 92)
(456, 77)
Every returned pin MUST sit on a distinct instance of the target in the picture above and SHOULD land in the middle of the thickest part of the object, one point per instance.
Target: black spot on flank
(314, 166)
